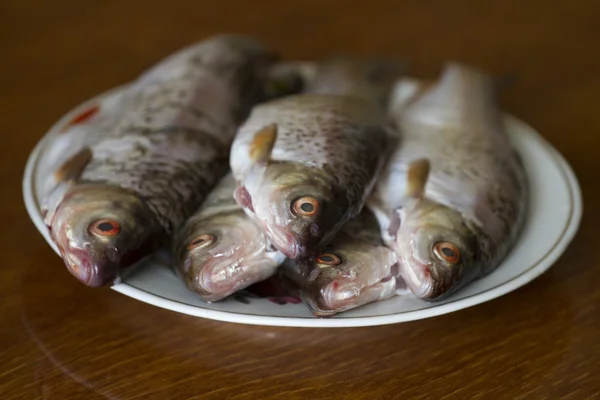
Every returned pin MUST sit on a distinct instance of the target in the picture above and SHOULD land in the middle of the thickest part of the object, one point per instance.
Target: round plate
(553, 218)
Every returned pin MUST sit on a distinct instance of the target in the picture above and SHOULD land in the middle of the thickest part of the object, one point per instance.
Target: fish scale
(342, 137)
(234, 254)
(186, 163)
(364, 270)
(476, 182)
(167, 149)
(305, 163)
(193, 154)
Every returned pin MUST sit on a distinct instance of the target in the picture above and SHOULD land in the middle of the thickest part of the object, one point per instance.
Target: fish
(220, 250)
(304, 164)
(370, 79)
(354, 269)
(88, 125)
(452, 197)
(126, 194)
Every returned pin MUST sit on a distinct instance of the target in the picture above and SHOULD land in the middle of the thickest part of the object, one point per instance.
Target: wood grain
(60, 340)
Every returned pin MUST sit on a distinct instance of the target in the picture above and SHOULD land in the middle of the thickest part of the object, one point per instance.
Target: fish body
(451, 199)
(354, 269)
(125, 194)
(306, 163)
(88, 126)
(220, 250)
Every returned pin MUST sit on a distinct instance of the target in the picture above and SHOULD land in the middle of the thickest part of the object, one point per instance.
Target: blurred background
(57, 54)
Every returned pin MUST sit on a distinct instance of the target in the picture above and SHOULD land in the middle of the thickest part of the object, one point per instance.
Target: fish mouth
(217, 280)
(92, 274)
(427, 281)
(291, 245)
(342, 295)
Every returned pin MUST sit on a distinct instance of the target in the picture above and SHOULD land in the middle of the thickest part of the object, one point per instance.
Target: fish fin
(418, 173)
(74, 166)
(52, 200)
(406, 90)
(262, 144)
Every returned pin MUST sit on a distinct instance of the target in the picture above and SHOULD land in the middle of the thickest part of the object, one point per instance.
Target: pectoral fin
(418, 173)
(262, 144)
(74, 166)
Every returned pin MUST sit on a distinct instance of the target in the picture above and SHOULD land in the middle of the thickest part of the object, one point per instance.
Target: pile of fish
(368, 180)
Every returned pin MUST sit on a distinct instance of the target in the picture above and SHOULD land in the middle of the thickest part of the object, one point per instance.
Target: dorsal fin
(406, 90)
(262, 144)
(74, 166)
(417, 175)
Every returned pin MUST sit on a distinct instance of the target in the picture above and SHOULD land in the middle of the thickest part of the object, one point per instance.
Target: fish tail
(370, 79)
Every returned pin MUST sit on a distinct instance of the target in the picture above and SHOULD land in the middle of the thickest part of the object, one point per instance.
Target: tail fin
(371, 79)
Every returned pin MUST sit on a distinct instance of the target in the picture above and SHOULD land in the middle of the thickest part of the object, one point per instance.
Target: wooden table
(60, 340)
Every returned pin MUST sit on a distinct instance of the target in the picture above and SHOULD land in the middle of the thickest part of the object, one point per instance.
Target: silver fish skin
(306, 163)
(164, 154)
(355, 269)
(220, 250)
(452, 197)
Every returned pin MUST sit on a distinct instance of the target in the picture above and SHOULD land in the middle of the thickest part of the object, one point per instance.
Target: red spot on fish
(335, 285)
(243, 198)
(426, 272)
(82, 117)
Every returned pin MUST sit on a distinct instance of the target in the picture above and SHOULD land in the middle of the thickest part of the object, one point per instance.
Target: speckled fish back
(474, 168)
(171, 145)
(220, 199)
(345, 135)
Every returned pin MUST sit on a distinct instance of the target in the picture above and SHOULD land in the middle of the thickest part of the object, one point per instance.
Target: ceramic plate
(554, 213)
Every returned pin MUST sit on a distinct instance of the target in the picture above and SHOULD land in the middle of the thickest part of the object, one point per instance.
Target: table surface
(60, 340)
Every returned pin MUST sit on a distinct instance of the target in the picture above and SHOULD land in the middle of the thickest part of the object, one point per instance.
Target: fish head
(221, 254)
(436, 249)
(100, 229)
(347, 274)
(299, 208)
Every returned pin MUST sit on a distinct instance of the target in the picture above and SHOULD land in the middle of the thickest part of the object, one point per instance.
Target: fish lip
(201, 282)
(314, 307)
(212, 290)
(288, 243)
(329, 296)
(92, 274)
(434, 284)
(292, 253)
(416, 275)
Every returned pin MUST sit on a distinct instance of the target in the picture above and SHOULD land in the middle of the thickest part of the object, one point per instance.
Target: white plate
(554, 214)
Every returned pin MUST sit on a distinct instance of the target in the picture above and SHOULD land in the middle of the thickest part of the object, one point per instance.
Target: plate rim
(538, 268)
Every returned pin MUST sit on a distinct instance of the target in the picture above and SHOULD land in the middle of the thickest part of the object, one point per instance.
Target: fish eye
(305, 206)
(447, 251)
(201, 241)
(105, 227)
(328, 259)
